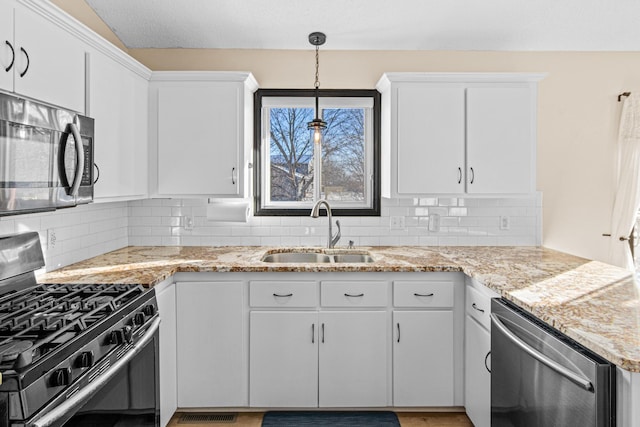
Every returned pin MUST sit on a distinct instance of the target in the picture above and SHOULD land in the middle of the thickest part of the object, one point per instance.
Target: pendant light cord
(317, 84)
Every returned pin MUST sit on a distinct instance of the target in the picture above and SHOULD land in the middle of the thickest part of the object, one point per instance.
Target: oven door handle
(565, 372)
(69, 406)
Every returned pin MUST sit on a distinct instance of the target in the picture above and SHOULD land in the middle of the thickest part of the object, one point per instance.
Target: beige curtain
(627, 198)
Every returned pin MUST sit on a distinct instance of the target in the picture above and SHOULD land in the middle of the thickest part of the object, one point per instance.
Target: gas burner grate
(216, 418)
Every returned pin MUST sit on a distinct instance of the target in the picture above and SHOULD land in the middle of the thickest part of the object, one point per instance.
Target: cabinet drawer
(354, 294)
(478, 306)
(423, 294)
(283, 294)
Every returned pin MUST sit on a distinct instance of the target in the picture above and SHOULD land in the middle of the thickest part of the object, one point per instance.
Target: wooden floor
(407, 419)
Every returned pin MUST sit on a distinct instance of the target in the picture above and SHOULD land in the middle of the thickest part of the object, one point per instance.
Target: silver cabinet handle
(13, 56)
(398, 324)
(233, 176)
(473, 176)
(567, 373)
(322, 327)
(353, 295)
(475, 307)
(423, 295)
(459, 175)
(485, 362)
(28, 62)
(313, 333)
(282, 295)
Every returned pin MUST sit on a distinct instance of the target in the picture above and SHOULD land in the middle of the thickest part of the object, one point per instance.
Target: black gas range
(73, 355)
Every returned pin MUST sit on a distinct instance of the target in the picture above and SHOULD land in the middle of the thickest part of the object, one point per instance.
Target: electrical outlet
(396, 222)
(51, 239)
(187, 222)
(434, 222)
(505, 223)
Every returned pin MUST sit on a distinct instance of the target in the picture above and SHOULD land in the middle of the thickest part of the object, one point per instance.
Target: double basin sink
(312, 257)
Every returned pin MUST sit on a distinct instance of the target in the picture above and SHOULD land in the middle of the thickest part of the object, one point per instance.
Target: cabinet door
(423, 358)
(430, 139)
(500, 150)
(168, 388)
(118, 103)
(199, 139)
(283, 359)
(353, 359)
(211, 349)
(477, 391)
(55, 61)
(7, 51)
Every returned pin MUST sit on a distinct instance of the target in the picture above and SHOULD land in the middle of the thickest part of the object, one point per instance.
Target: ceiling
(527, 25)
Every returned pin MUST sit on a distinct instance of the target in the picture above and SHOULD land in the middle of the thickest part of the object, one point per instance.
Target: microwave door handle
(77, 180)
(70, 405)
(565, 372)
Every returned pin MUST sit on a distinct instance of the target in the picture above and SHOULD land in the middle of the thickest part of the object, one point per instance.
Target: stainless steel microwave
(46, 157)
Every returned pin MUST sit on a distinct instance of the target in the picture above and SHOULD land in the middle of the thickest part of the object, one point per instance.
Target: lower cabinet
(166, 297)
(283, 348)
(478, 377)
(211, 344)
(423, 358)
(353, 359)
(311, 359)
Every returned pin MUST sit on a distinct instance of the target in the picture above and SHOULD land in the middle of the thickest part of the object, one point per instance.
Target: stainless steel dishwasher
(541, 378)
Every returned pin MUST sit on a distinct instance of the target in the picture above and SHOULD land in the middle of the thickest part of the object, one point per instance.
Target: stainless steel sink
(352, 258)
(316, 257)
(308, 257)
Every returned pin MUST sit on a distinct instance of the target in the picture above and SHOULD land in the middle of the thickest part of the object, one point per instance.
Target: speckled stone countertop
(594, 303)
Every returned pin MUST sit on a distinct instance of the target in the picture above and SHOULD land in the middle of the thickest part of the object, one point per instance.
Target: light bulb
(316, 136)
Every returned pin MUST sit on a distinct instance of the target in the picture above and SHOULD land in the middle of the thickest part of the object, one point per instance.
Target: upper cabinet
(39, 58)
(458, 133)
(201, 134)
(118, 101)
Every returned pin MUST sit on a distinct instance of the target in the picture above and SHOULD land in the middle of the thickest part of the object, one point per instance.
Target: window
(292, 172)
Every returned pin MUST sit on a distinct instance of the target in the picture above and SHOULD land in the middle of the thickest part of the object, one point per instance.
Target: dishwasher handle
(567, 373)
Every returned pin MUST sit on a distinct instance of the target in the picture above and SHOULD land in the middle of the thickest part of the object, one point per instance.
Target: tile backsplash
(72, 235)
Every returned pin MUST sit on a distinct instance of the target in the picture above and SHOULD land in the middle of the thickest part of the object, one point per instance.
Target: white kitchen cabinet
(477, 375)
(45, 61)
(423, 362)
(118, 101)
(201, 134)
(283, 359)
(477, 352)
(212, 371)
(353, 359)
(166, 297)
(458, 133)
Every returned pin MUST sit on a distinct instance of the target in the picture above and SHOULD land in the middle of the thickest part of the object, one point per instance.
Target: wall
(463, 221)
(578, 111)
(578, 114)
(80, 232)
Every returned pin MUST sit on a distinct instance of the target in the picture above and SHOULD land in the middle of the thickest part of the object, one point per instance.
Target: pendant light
(317, 125)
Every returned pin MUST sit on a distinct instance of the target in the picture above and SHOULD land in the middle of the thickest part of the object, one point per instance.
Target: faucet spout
(315, 213)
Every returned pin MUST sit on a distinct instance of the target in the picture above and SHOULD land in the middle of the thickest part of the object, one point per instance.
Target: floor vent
(207, 418)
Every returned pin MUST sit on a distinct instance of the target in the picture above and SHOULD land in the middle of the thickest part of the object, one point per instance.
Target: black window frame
(258, 210)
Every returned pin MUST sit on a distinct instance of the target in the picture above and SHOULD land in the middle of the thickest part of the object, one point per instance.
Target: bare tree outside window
(349, 159)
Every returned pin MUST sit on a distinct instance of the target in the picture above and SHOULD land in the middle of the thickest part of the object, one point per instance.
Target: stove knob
(149, 310)
(116, 337)
(127, 332)
(60, 377)
(139, 319)
(86, 359)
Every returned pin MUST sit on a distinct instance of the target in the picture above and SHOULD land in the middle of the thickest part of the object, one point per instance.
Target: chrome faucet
(315, 213)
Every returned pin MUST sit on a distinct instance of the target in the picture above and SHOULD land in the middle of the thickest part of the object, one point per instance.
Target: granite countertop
(594, 303)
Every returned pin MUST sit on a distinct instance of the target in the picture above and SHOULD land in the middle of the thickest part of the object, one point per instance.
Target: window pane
(343, 154)
(291, 154)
